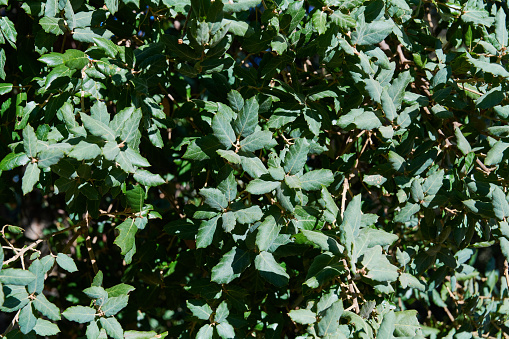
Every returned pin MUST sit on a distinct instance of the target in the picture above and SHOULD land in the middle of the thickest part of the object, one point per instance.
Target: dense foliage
(254, 168)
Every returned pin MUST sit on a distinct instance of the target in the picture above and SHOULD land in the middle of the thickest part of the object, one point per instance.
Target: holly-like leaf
(45, 328)
(303, 316)
(214, 198)
(247, 118)
(112, 327)
(27, 319)
(79, 314)
(330, 319)
(47, 308)
(258, 186)
(114, 305)
(66, 263)
(270, 270)
(16, 276)
(126, 237)
(296, 156)
(200, 309)
(97, 127)
(231, 266)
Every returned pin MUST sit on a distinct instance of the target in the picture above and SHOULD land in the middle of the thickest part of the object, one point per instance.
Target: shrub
(247, 168)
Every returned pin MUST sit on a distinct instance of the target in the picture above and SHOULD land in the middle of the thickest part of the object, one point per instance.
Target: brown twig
(89, 245)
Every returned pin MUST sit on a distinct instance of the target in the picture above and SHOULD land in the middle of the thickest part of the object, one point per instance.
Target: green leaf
(462, 142)
(253, 165)
(315, 180)
(247, 118)
(75, 59)
(88, 34)
(360, 119)
(267, 233)
(350, 227)
(124, 161)
(487, 67)
(329, 323)
(51, 156)
(147, 178)
(256, 141)
(236, 101)
(387, 326)
(114, 305)
(225, 330)
(388, 106)
(239, 5)
(45, 328)
(223, 130)
(378, 267)
(119, 290)
(231, 266)
(323, 241)
(136, 198)
(126, 237)
(319, 19)
(206, 232)
(406, 212)
(140, 335)
(93, 331)
(408, 280)
(406, 324)
(229, 221)
(205, 332)
(112, 327)
(54, 26)
(5, 88)
(303, 316)
(8, 30)
(433, 183)
(229, 156)
(26, 319)
(47, 308)
(214, 198)
(85, 151)
(397, 161)
(200, 309)
(374, 89)
(97, 292)
(66, 263)
(111, 5)
(13, 160)
(16, 276)
(107, 46)
(37, 285)
(222, 312)
(29, 141)
(229, 186)
(258, 186)
(496, 153)
(79, 314)
(344, 21)
(97, 128)
(248, 215)
(270, 270)
(296, 156)
(372, 33)
(501, 27)
(500, 204)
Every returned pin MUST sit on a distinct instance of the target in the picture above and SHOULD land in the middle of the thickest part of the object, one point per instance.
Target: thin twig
(89, 245)
(506, 273)
(22, 251)
(343, 196)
